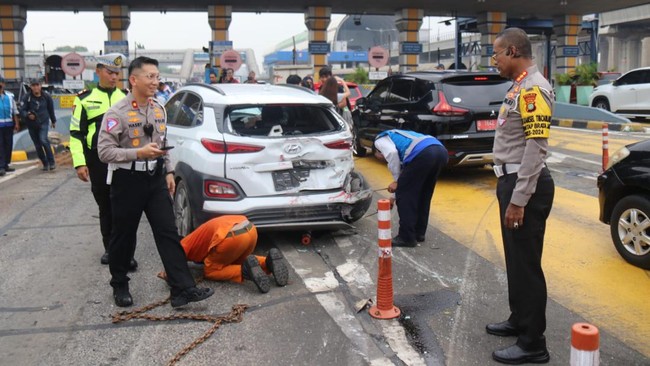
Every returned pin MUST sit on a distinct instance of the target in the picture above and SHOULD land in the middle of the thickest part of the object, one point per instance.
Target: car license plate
(486, 124)
(287, 179)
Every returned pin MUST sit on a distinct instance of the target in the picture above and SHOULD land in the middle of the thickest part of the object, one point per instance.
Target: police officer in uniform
(525, 192)
(131, 141)
(415, 161)
(87, 113)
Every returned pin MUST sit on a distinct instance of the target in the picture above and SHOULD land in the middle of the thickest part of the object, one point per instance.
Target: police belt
(138, 166)
(501, 170)
(245, 229)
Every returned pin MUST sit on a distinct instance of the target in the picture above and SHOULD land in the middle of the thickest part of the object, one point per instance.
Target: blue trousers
(38, 133)
(415, 187)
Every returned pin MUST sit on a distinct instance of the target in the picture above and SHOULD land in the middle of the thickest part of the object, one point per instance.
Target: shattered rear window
(282, 120)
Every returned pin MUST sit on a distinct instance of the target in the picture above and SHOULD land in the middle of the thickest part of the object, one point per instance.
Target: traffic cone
(384, 308)
(584, 345)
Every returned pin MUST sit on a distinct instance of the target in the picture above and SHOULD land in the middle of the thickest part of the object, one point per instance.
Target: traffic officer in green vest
(87, 113)
(415, 161)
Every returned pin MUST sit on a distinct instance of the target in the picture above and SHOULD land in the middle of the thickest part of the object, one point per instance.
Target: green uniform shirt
(87, 113)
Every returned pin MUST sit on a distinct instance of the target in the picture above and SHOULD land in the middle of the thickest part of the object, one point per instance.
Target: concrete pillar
(614, 54)
(117, 19)
(632, 52)
(490, 24)
(219, 18)
(566, 29)
(645, 52)
(317, 19)
(408, 21)
(12, 59)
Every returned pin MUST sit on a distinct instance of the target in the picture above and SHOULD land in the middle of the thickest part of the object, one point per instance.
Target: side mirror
(361, 102)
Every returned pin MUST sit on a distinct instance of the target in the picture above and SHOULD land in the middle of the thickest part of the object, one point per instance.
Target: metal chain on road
(235, 316)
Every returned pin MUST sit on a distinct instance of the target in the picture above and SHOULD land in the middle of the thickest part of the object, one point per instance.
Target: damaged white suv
(280, 155)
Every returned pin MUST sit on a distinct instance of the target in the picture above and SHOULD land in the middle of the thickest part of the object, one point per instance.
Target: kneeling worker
(415, 161)
(224, 244)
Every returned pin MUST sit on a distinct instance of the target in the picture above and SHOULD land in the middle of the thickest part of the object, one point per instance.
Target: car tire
(360, 207)
(630, 230)
(601, 103)
(183, 210)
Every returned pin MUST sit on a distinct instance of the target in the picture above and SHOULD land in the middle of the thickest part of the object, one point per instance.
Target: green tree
(71, 49)
(360, 76)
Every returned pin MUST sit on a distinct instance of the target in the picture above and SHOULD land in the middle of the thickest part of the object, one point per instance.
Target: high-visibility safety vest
(409, 143)
(87, 113)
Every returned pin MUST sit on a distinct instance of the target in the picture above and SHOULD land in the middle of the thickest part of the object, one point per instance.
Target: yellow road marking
(583, 271)
(590, 143)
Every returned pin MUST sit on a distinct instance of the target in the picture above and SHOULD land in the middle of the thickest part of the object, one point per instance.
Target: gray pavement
(56, 303)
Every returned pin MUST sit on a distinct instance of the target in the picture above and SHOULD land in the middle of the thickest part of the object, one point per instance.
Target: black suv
(624, 197)
(459, 108)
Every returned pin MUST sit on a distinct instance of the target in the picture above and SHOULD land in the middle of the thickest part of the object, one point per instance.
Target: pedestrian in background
(525, 192)
(163, 93)
(9, 123)
(415, 162)
(225, 245)
(87, 113)
(293, 79)
(37, 110)
(251, 78)
(213, 77)
(308, 82)
(229, 77)
(132, 140)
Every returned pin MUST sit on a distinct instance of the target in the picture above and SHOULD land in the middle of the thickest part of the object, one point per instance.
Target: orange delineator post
(585, 342)
(384, 308)
(605, 146)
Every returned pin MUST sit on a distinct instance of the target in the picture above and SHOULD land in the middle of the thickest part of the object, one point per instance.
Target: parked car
(280, 155)
(607, 77)
(624, 197)
(629, 95)
(459, 108)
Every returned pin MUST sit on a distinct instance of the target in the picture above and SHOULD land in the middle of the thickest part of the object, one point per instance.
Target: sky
(172, 30)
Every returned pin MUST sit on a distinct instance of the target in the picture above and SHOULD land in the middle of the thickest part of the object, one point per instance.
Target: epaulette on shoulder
(125, 91)
(84, 93)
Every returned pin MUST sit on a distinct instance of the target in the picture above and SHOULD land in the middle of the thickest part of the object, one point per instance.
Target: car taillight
(219, 147)
(341, 144)
(445, 109)
(219, 189)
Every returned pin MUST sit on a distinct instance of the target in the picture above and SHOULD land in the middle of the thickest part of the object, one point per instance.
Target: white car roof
(234, 94)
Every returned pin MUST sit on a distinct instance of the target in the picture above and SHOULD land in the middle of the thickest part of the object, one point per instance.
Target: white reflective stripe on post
(384, 234)
(383, 215)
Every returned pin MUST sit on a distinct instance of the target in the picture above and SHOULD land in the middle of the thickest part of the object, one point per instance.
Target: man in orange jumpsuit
(224, 245)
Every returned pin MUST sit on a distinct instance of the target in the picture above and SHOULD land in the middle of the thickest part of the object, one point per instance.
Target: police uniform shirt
(122, 130)
(523, 129)
(87, 113)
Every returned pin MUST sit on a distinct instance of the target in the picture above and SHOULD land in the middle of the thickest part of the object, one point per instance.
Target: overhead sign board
(73, 64)
(378, 56)
(319, 48)
(570, 51)
(411, 48)
(231, 59)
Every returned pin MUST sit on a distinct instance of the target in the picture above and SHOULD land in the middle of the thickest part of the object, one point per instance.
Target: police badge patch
(110, 124)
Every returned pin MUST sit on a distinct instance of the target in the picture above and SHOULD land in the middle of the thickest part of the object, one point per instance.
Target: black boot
(122, 296)
(104, 259)
(192, 294)
(133, 265)
(251, 270)
(276, 263)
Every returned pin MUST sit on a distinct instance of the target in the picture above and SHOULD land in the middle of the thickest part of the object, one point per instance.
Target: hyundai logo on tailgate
(292, 148)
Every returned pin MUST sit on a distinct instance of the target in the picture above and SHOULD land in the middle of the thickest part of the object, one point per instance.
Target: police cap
(112, 61)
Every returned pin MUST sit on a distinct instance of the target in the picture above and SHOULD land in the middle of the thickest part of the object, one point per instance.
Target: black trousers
(101, 191)
(415, 187)
(523, 253)
(135, 192)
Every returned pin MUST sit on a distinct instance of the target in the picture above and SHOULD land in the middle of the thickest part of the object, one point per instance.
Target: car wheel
(630, 228)
(601, 103)
(183, 210)
(358, 183)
